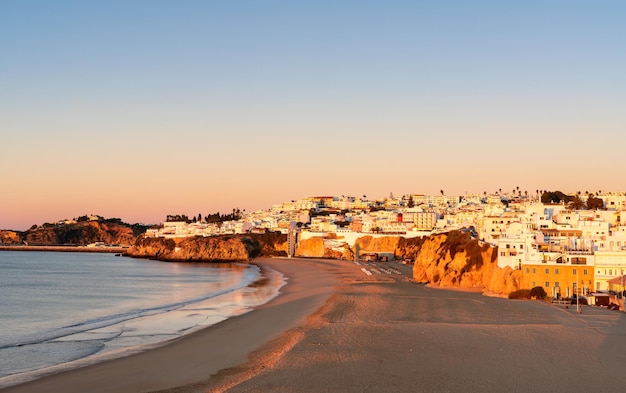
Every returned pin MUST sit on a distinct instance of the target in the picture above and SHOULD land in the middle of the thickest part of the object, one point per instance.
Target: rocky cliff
(233, 248)
(329, 246)
(452, 259)
(77, 234)
(455, 259)
(10, 237)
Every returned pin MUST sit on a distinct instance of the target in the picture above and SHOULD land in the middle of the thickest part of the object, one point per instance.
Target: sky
(140, 109)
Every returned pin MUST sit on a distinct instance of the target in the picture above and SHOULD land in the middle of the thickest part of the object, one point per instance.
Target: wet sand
(379, 333)
(194, 358)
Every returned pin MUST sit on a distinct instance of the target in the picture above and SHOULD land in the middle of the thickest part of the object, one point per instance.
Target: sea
(63, 310)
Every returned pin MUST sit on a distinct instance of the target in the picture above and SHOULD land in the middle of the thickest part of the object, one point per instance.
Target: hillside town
(576, 245)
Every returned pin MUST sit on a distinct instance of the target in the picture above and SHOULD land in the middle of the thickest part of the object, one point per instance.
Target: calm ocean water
(62, 310)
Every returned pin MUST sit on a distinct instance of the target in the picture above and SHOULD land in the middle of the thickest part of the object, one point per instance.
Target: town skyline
(516, 192)
(147, 108)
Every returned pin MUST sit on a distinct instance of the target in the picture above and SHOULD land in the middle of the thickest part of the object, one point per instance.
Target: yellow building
(559, 280)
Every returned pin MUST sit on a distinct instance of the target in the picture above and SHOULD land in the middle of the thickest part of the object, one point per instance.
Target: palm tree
(576, 203)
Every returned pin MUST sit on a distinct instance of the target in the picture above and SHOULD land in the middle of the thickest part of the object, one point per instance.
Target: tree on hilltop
(177, 218)
(555, 197)
(594, 203)
(577, 203)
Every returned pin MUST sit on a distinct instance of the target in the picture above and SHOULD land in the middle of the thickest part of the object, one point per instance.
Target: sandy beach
(335, 329)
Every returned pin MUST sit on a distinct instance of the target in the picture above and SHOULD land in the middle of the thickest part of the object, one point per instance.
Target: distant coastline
(65, 248)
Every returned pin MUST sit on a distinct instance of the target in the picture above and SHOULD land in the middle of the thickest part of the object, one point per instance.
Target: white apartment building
(299, 205)
(515, 246)
(491, 227)
(175, 229)
(421, 221)
(614, 201)
(323, 224)
(608, 265)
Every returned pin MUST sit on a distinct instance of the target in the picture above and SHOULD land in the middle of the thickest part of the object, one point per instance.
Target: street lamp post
(577, 294)
(623, 292)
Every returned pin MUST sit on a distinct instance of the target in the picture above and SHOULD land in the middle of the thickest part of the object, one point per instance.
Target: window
(556, 284)
(573, 271)
(534, 284)
(610, 272)
(547, 284)
(534, 271)
(527, 270)
(585, 272)
(556, 271)
(547, 271)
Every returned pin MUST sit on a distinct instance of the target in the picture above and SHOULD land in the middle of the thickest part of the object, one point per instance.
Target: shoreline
(106, 249)
(333, 328)
(193, 358)
(400, 336)
(117, 335)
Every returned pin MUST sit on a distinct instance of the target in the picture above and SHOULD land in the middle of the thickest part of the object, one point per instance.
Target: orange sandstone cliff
(77, 234)
(455, 259)
(452, 259)
(211, 249)
(10, 237)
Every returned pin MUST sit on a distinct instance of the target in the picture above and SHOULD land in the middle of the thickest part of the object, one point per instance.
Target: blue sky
(139, 109)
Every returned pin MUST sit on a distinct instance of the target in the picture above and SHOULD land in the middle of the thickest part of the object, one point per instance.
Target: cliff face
(214, 249)
(311, 248)
(387, 244)
(77, 234)
(454, 259)
(10, 237)
(193, 249)
(81, 234)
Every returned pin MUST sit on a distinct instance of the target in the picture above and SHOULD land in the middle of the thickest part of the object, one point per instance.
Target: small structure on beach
(599, 299)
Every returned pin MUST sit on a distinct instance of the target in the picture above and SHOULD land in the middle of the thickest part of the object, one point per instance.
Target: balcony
(579, 252)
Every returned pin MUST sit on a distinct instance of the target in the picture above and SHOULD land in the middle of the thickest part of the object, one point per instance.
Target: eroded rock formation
(76, 234)
(10, 237)
(215, 249)
(455, 259)
(452, 259)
